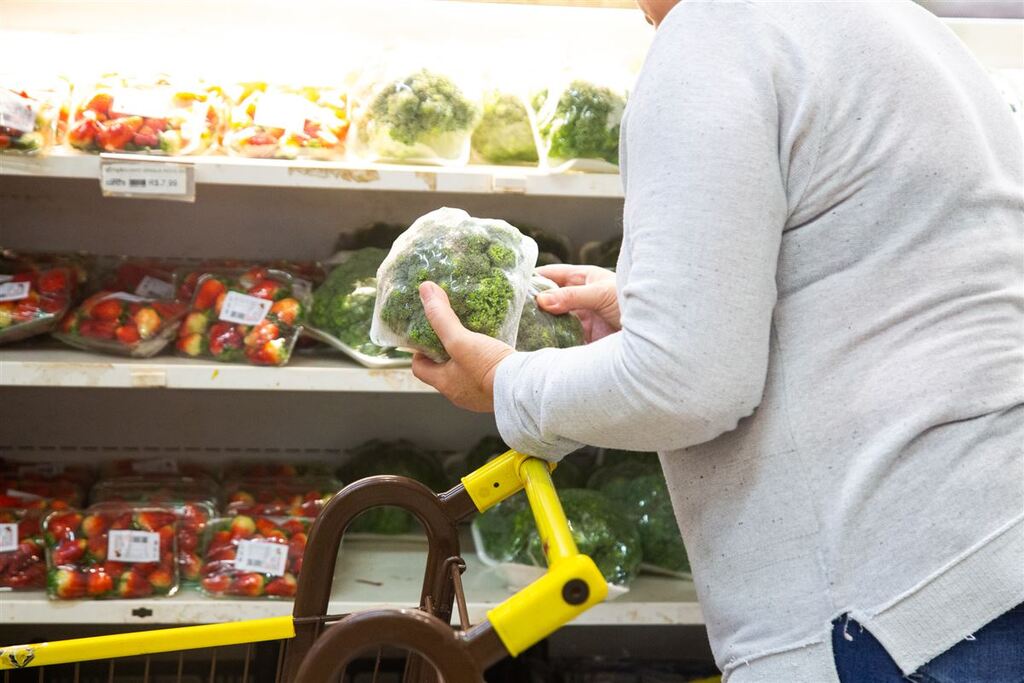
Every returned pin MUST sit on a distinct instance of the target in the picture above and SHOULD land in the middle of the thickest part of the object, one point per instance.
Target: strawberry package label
(22, 551)
(255, 317)
(33, 301)
(111, 550)
(29, 115)
(254, 556)
(122, 323)
(298, 496)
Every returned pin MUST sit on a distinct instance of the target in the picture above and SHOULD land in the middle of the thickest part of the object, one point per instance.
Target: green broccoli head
(504, 134)
(505, 532)
(584, 124)
(539, 329)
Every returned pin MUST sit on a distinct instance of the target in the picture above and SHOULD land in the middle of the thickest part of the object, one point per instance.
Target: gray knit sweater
(822, 295)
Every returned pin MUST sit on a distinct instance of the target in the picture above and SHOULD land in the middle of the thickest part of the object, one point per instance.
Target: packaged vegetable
(119, 115)
(287, 123)
(36, 493)
(254, 556)
(122, 323)
(163, 469)
(294, 496)
(274, 469)
(483, 264)
(539, 329)
(80, 263)
(254, 318)
(423, 117)
(110, 551)
(77, 474)
(22, 550)
(32, 301)
(149, 278)
(29, 115)
(506, 132)
(579, 125)
(342, 310)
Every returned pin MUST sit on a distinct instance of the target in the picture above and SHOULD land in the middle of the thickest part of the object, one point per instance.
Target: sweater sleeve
(704, 212)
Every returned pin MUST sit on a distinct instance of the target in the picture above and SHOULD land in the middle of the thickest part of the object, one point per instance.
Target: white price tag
(42, 469)
(155, 288)
(146, 102)
(244, 309)
(155, 466)
(262, 556)
(149, 179)
(23, 495)
(282, 111)
(125, 545)
(14, 291)
(6, 278)
(16, 112)
(8, 537)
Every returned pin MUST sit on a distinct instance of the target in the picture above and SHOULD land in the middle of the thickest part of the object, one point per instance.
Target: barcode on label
(8, 537)
(136, 182)
(262, 556)
(155, 288)
(125, 545)
(155, 466)
(244, 309)
(14, 291)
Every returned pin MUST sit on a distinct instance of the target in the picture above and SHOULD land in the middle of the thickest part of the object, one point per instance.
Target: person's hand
(467, 379)
(588, 292)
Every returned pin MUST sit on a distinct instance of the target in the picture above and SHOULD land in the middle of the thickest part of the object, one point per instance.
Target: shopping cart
(315, 647)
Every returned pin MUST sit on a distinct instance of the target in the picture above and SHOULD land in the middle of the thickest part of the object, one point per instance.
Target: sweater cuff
(515, 424)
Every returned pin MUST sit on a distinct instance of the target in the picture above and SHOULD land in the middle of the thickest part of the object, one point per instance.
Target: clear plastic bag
(579, 125)
(33, 301)
(22, 550)
(302, 496)
(33, 493)
(484, 265)
(158, 117)
(287, 123)
(254, 318)
(122, 323)
(506, 133)
(30, 115)
(420, 117)
(539, 329)
(111, 551)
(342, 311)
(254, 556)
(150, 278)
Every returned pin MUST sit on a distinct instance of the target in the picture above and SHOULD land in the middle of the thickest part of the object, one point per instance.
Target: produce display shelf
(32, 366)
(370, 574)
(219, 170)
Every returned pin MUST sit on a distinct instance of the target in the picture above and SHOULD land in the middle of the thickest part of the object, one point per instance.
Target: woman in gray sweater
(817, 320)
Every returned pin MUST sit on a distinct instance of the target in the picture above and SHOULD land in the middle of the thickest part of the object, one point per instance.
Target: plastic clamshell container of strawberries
(150, 278)
(78, 474)
(166, 469)
(30, 115)
(286, 123)
(40, 494)
(254, 318)
(121, 323)
(22, 551)
(254, 556)
(298, 496)
(111, 551)
(33, 302)
(160, 117)
(241, 469)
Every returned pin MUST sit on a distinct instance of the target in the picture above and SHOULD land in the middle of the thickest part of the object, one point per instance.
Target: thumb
(439, 312)
(579, 297)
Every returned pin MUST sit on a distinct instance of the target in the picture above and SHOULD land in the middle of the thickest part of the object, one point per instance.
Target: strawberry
(94, 525)
(107, 309)
(286, 310)
(122, 521)
(99, 583)
(162, 580)
(272, 353)
(133, 585)
(218, 584)
(97, 549)
(293, 526)
(224, 338)
(249, 584)
(188, 540)
(157, 125)
(189, 566)
(168, 309)
(6, 314)
(114, 569)
(167, 535)
(67, 584)
(97, 329)
(55, 281)
(115, 136)
(62, 526)
(242, 526)
(265, 526)
(146, 139)
(148, 322)
(266, 289)
(282, 586)
(191, 344)
(69, 551)
(128, 334)
(100, 103)
(155, 520)
(297, 545)
(261, 334)
(207, 294)
(134, 123)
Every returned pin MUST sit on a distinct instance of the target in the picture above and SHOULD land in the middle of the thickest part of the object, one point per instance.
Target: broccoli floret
(539, 329)
(504, 134)
(584, 124)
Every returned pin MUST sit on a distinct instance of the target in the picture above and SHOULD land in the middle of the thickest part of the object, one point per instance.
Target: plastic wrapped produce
(287, 123)
(302, 496)
(151, 118)
(483, 264)
(111, 550)
(150, 278)
(497, 534)
(37, 493)
(29, 115)
(274, 469)
(254, 318)
(506, 132)
(122, 323)
(33, 301)
(77, 474)
(163, 469)
(579, 125)
(539, 329)
(423, 117)
(254, 556)
(342, 310)
(22, 551)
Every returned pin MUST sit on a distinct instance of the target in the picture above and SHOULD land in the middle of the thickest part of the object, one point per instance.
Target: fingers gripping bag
(122, 323)
(483, 264)
(579, 124)
(539, 329)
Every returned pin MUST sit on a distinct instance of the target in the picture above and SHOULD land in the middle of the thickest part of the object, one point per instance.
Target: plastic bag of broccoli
(343, 311)
(579, 125)
(483, 264)
(506, 132)
(423, 117)
(539, 329)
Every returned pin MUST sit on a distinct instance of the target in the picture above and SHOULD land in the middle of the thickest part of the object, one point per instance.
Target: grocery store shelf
(370, 574)
(219, 170)
(64, 367)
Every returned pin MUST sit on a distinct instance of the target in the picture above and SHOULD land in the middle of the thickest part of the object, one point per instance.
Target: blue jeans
(995, 654)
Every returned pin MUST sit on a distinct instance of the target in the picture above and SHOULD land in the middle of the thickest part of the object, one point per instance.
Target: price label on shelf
(125, 545)
(147, 179)
(262, 556)
(14, 291)
(155, 288)
(244, 309)
(8, 537)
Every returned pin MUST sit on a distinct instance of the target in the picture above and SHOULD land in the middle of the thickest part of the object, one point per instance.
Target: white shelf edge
(223, 170)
